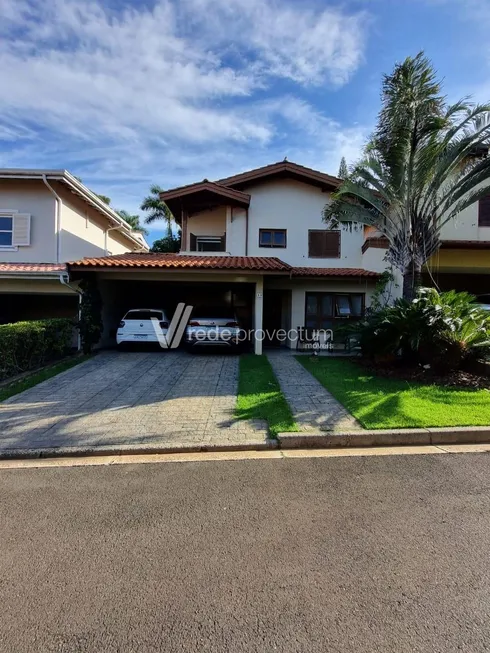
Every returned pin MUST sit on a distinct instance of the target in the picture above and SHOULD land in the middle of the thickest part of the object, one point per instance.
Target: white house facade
(47, 217)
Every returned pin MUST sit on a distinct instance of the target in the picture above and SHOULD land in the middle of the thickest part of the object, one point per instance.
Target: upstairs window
(15, 229)
(323, 243)
(207, 243)
(6, 230)
(484, 212)
(272, 238)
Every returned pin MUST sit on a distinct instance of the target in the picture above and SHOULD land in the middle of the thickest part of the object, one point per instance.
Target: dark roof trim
(210, 186)
(382, 243)
(288, 167)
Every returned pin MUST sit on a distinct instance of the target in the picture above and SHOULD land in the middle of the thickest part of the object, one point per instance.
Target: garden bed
(419, 374)
(380, 401)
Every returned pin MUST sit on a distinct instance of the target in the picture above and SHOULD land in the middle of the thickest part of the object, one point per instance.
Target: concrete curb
(320, 440)
(127, 449)
(385, 437)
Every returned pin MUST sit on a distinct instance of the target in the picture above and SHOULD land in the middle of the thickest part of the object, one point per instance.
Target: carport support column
(258, 312)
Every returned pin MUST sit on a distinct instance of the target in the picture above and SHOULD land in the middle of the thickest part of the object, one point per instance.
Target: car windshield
(143, 315)
(216, 312)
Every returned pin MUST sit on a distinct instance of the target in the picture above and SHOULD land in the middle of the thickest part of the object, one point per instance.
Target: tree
(343, 170)
(133, 221)
(104, 198)
(424, 164)
(168, 245)
(156, 209)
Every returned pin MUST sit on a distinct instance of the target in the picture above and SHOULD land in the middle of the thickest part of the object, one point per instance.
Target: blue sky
(125, 94)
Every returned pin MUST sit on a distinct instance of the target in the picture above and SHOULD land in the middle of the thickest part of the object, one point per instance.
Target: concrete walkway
(313, 407)
(164, 399)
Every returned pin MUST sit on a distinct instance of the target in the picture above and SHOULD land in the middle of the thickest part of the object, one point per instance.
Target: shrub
(441, 329)
(27, 345)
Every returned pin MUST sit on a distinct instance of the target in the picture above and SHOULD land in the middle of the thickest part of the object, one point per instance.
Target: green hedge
(27, 345)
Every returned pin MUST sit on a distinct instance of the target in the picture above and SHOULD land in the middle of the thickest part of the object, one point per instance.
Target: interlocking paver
(131, 398)
(313, 407)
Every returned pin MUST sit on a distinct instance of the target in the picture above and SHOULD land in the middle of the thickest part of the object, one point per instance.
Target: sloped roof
(183, 261)
(333, 272)
(285, 169)
(19, 268)
(227, 190)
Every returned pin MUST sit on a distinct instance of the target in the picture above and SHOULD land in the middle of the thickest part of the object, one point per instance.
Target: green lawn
(260, 397)
(381, 403)
(33, 379)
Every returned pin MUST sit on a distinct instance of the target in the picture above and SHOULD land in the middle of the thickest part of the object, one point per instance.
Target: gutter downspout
(64, 281)
(118, 228)
(246, 231)
(57, 218)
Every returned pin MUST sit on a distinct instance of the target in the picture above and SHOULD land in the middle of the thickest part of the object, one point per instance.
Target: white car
(137, 326)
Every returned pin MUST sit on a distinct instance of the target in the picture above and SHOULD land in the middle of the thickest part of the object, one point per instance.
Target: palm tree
(424, 164)
(133, 221)
(157, 210)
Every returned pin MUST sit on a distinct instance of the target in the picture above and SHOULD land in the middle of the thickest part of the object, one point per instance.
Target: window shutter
(21, 231)
(223, 242)
(192, 243)
(484, 212)
(323, 243)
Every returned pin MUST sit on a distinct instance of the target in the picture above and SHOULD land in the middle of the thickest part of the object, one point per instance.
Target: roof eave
(76, 186)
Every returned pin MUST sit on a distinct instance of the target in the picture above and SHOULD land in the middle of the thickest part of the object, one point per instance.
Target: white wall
(465, 226)
(236, 230)
(83, 230)
(207, 223)
(297, 207)
(31, 196)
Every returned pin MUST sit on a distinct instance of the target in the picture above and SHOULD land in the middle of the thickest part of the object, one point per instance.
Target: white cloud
(295, 41)
(170, 92)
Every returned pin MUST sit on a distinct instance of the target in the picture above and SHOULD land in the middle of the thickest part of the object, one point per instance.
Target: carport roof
(30, 268)
(333, 272)
(182, 261)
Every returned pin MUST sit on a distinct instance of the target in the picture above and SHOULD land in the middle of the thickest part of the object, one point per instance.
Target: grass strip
(383, 403)
(260, 396)
(39, 376)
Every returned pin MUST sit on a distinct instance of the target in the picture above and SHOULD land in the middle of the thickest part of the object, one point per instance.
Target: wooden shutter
(484, 212)
(323, 243)
(192, 243)
(21, 229)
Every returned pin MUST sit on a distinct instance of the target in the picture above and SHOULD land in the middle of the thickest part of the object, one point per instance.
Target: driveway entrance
(165, 399)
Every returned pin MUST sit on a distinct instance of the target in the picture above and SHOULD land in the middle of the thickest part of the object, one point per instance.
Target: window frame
(202, 240)
(484, 222)
(323, 319)
(325, 231)
(10, 216)
(272, 232)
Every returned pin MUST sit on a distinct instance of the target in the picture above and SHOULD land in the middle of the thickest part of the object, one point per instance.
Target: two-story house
(257, 241)
(47, 217)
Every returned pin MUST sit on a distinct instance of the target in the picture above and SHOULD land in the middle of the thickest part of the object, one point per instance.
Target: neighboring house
(257, 241)
(47, 217)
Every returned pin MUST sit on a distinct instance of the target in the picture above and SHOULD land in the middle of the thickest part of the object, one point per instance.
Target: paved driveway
(150, 398)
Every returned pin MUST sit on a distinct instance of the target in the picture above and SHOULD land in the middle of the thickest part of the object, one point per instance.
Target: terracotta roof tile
(32, 267)
(333, 272)
(184, 261)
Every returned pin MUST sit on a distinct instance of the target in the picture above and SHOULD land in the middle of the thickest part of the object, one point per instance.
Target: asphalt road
(331, 555)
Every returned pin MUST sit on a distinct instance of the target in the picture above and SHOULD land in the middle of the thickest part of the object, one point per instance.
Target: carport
(163, 280)
(34, 291)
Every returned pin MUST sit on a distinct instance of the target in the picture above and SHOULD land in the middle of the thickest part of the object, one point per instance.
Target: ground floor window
(328, 310)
